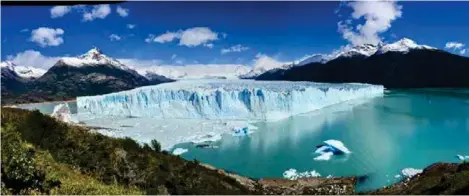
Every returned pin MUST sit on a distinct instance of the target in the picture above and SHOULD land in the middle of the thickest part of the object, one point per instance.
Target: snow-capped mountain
(402, 64)
(365, 50)
(315, 58)
(404, 45)
(23, 71)
(94, 57)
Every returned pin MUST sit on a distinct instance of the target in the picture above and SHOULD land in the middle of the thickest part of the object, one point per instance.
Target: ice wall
(225, 99)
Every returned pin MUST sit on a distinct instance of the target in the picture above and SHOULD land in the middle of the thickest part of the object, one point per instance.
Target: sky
(238, 33)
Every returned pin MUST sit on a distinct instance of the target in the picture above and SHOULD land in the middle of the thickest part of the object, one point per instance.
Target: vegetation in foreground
(43, 156)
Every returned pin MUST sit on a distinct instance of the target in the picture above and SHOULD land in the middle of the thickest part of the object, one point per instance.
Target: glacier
(224, 99)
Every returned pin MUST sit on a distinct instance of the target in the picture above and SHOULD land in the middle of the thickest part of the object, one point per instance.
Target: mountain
(23, 71)
(89, 74)
(403, 64)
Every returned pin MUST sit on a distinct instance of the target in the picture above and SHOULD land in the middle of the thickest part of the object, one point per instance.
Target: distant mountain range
(89, 74)
(403, 64)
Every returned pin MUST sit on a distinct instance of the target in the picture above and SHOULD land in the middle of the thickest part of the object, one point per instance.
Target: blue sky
(284, 31)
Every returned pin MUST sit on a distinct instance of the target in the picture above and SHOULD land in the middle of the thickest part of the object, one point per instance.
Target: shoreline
(24, 104)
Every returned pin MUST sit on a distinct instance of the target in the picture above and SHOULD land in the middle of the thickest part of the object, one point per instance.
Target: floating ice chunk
(329, 176)
(62, 113)
(243, 131)
(338, 145)
(205, 138)
(324, 156)
(179, 151)
(409, 172)
(397, 176)
(330, 148)
(322, 149)
(462, 158)
(292, 174)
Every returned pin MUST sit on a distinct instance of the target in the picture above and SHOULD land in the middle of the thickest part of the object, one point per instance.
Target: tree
(156, 145)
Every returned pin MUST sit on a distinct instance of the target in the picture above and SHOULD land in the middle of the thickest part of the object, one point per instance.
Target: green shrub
(156, 145)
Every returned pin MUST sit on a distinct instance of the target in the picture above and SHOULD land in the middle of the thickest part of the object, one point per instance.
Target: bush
(156, 145)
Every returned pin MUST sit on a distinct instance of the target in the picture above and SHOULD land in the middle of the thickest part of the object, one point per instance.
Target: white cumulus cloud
(378, 17)
(45, 36)
(131, 26)
(98, 11)
(196, 36)
(34, 59)
(59, 11)
(122, 11)
(114, 37)
(264, 62)
(454, 45)
(235, 48)
(191, 37)
(167, 37)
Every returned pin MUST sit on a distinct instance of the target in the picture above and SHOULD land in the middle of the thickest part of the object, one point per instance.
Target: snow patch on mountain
(404, 45)
(23, 71)
(93, 57)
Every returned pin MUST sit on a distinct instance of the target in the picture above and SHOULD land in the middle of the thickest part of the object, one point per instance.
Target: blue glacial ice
(224, 99)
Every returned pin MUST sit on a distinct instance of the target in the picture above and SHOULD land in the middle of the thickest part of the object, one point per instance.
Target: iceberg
(330, 148)
(410, 172)
(461, 157)
(224, 99)
(62, 113)
(292, 174)
(179, 151)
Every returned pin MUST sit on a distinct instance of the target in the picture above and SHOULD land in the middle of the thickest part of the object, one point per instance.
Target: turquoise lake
(402, 129)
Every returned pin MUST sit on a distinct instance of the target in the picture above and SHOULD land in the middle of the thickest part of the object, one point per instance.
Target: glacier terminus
(224, 99)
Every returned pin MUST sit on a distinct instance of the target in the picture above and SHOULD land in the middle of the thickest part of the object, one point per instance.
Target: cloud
(263, 62)
(150, 38)
(209, 45)
(462, 52)
(59, 11)
(235, 48)
(198, 35)
(44, 36)
(454, 45)
(191, 37)
(195, 70)
(122, 11)
(167, 37)
(114, 37)
(140, 62)
(131, 26)
(173, 56)
(378, 17)
(34, 59)
(98, 11)
(24, 30)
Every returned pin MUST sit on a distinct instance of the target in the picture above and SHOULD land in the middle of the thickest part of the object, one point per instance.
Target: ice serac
(225, 99)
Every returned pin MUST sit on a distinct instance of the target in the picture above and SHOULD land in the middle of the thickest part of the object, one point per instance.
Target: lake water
(403, 129)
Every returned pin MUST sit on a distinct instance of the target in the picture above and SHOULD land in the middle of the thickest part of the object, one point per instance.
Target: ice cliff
(224, 99)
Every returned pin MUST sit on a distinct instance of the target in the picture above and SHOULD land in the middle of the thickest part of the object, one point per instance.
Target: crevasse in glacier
(225, 99)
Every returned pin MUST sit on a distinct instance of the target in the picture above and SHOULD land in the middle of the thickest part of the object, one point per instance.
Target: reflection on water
(387, 134)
